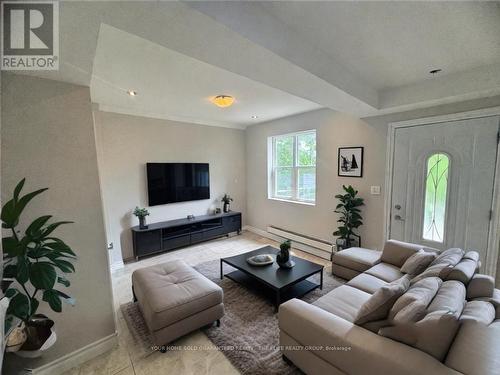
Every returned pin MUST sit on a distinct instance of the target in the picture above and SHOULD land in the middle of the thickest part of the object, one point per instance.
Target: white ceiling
(278, 58)
(391, 44)
(177, 87)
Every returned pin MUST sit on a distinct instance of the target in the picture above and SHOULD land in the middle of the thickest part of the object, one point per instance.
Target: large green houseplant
(34, 267)
(350, 216)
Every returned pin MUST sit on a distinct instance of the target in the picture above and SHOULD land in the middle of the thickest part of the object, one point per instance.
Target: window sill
(305, 203)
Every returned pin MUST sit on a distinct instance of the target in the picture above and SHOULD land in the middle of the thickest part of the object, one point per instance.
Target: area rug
(249, 333)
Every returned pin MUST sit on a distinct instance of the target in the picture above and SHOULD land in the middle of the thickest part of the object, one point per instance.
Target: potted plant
(141, 213)
(350, 217)
(226, 199)
(283, 257)
(35, 264)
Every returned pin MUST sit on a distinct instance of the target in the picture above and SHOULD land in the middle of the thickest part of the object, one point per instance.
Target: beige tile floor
(124, 360)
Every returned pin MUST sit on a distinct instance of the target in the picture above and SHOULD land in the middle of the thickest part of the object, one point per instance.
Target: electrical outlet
(375, 190)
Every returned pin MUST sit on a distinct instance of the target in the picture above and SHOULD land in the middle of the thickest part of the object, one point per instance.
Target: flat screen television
(177, 182)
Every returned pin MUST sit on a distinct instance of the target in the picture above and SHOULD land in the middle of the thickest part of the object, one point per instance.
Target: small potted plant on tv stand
(226, 199)
(141, 213)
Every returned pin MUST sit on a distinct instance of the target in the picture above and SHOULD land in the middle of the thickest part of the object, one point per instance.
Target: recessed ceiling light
(435, 71)
(254, 117)
(222, 101)
(132, 92)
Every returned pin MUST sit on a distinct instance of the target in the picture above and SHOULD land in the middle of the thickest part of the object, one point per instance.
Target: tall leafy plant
(36, 260)
(350, 214)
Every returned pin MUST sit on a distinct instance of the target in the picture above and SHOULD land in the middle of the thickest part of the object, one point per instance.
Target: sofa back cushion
(378, 305)
(481, 286)
(412, 305)
(442, 265)
(478, 311)
(418, 262)
(397, 252)
(434, 333)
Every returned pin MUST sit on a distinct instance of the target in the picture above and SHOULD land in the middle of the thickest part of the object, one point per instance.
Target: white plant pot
(51, 340)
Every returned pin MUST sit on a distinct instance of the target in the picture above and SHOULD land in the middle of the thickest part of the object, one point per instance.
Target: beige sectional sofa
(442, 318)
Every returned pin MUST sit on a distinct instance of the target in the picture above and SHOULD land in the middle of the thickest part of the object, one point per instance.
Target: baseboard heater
(303, 242)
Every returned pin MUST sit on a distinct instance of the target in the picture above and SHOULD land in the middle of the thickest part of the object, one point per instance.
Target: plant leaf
(34, 305)
(64, 265)
(59, 246)
(52, 298)
(10, 271)
(43, 275)
(36, 225)
(51, 227)
(9, 293)
(18, 188)
(23, 270)
(63, 281)
(19, 306)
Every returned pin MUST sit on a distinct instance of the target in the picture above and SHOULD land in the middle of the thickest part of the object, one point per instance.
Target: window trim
(272, 175)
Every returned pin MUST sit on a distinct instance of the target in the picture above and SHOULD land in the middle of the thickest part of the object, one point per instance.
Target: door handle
(398, 217)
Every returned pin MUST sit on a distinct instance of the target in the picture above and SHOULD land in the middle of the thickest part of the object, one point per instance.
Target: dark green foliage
(36, 261)
(350, 214)
(141, 212)
(226, 199)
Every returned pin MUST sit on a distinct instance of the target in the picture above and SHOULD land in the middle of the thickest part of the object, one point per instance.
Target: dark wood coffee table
(280, 284)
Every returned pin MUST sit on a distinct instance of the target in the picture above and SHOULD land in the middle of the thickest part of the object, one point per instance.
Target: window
(436, 190)
(293, 167)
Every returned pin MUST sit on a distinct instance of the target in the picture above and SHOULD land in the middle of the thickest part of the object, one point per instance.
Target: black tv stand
(172, 234)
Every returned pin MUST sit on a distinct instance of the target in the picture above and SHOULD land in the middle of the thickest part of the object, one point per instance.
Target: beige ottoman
(175, 300)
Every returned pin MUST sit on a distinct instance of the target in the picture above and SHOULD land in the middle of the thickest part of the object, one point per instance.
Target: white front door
(442, 183)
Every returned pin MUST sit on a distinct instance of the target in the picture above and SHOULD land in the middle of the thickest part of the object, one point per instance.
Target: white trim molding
(493, 250)
(321, 253)
(77, 357)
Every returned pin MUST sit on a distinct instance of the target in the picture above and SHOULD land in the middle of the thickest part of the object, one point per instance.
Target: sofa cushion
(463, 271)
(412, 305)
(451, 256)
(472, 255)
(475, 349)
(385, 271)
(357, 258)
(450, 297)
(367, 283)
(344, 301)
(478, 311)
(172, 291)
(397, 252)
(480, 286)
(418, 262)
(433, 334)
(379, 304)
(442, 265)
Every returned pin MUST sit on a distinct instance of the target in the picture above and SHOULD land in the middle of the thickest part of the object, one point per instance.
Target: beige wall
(48, 137)
(127, 143)
(333, 130)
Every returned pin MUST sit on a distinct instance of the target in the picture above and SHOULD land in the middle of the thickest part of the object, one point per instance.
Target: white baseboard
(308, 249)
(77, 357)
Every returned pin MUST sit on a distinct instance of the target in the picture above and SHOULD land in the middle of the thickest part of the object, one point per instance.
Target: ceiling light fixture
(222, 101)
(132, 92)
(435, 71)
(255, 117)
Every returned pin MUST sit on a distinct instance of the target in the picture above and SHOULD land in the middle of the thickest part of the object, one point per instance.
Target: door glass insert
(436, 190)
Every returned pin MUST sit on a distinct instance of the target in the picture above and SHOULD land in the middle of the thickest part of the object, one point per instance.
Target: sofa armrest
(350, 348)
